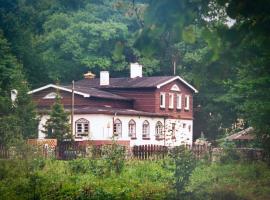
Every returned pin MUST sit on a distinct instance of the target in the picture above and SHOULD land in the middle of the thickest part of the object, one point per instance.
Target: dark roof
(106, 110)
(139, 82)
(94, 92)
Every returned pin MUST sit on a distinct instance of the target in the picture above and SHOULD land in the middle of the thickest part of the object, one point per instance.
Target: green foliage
(18, 118)
(57, 126)
(114, 156)
(139, 180)
(181, 163)
(229, 181)
(229, 153)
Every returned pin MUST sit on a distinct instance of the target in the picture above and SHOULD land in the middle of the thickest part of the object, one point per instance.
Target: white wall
(101, 128)
(183, 134)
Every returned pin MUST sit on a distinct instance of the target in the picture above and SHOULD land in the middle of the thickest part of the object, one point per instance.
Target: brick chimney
(135, 70)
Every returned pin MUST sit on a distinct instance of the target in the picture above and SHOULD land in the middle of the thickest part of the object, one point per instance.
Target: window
(187, 102)
(179, 101)
(162, 99)
(82, 127)
(145, 130)
(173, 131)
(184, 125)
(171, 100)
(132, 129)
(189, 128)
(117, 128)
(159, 131)
(175, 88)
(51, 95)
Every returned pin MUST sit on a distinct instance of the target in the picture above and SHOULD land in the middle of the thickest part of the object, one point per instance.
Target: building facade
(136, 110)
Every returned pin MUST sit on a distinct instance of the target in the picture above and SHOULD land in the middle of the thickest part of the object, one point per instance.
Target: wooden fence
(4, 152)
(73, 150)
(145, 152)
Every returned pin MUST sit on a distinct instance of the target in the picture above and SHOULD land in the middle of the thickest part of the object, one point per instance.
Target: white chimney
(104, 78)
(135, 70)
(13, 95)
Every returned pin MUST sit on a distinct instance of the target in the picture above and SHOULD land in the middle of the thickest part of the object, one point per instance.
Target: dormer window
(187, 102)
(179, 101)
(51, 95)
(171, 100)
(162, 99)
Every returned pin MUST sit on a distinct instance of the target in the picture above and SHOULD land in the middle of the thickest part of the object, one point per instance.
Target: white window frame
(82, 127)
(117, 128)
(179, 101)
(132, 128)
(171, 100)
(159, 130)
(146, 129)
(187, 99)
(162, 100)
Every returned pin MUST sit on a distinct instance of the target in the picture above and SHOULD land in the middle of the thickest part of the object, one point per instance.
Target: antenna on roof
(174, 67)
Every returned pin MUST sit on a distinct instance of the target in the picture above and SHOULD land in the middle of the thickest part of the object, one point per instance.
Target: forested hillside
(222, 47)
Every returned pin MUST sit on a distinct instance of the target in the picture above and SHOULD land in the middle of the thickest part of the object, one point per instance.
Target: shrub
(114, 157)
(230, 153)
(181, 163)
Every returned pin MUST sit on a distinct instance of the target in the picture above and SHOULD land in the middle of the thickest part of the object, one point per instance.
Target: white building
(134, 111)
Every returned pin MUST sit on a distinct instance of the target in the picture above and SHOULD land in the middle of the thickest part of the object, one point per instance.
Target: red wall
(175, 113)
(144, 99)
(149, 99)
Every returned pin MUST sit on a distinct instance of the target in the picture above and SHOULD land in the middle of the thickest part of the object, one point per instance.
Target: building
(136, 110)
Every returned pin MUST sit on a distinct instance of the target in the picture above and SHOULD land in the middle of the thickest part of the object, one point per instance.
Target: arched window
(159, 130)
(82, 127)
(132, 128)
(145, 130)
(117, 128)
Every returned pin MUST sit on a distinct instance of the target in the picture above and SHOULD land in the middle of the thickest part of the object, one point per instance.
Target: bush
(230, 153)
(181, 163)
(114, 157)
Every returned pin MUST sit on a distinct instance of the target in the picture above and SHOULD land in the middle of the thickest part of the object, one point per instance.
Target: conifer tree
(58, 126)
(18, 117)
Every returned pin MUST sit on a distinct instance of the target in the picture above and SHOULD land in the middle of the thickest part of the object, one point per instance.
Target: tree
(18, 117)
(249, 39)
(58, 125)
(185, 36)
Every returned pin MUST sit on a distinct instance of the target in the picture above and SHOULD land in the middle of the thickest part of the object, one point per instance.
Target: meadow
(112, 177)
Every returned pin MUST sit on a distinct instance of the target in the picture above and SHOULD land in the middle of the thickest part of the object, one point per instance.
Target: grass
(231, 181)
(86, 179)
